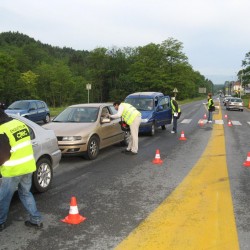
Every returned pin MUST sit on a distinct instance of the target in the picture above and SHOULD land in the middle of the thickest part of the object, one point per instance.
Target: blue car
(34, 110)
(155, 109)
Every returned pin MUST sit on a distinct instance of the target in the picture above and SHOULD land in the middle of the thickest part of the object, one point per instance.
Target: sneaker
(30, 224)
(209, 121)
(2, 226)
(173, 132)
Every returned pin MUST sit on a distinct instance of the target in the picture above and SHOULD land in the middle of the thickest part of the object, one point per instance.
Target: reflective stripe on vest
(21, 145)
(11, 163)
(129, 113)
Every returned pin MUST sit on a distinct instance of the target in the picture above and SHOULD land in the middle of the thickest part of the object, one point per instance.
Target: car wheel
(42, 177)
(47, 119)
(125, 142)
(152, 132)
(163, 127)
(93, 148)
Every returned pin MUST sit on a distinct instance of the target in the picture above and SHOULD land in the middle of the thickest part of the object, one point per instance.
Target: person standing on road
(176, 112)
(133, 118)
(17, 164)
(210, 107)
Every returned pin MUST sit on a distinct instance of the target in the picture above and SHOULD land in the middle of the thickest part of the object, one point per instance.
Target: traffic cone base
(247, 162)
(182, 138)
(157, 159)
(74, 217)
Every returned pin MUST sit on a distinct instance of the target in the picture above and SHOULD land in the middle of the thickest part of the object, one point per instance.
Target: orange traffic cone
(201, 123)
(247, 162)
(157, 159)
(205, 116)
(74, 217)
(229, 123)
(182, 138)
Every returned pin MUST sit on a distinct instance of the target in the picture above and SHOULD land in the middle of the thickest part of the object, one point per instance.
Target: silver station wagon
(46, 153)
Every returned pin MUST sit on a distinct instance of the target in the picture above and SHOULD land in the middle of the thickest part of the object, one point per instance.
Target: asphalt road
(116, 192)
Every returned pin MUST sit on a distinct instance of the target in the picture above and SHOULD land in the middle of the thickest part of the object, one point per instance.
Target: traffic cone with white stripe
(225, 116)
(182, 138)
(201, 123)
(247, 162)
(229, 123)
(205, 116)
(157, 159)
(74, 217)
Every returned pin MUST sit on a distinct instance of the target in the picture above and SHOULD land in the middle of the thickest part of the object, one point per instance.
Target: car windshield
(19, 105)
(141, 104)
(236, 100)
(78, 115)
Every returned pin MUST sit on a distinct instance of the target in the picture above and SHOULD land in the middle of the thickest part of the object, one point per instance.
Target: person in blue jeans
(17, 164)
(210, 107)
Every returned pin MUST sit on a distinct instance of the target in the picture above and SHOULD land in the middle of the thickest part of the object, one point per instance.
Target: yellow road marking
(199, 213)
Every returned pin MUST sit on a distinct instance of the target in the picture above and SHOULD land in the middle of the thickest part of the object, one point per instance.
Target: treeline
(30, 69)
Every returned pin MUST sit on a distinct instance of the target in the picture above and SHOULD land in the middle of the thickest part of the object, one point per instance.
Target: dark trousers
(175, 123)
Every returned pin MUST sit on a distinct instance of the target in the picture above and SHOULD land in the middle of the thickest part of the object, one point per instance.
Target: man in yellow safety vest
(17, 164)
(133, 118)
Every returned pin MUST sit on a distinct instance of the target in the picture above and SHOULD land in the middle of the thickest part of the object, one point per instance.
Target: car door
(33, 112)
(110, 132)
(163, 111)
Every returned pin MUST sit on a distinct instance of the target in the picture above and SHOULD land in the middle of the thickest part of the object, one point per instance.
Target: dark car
(34, 110)
(155, 109)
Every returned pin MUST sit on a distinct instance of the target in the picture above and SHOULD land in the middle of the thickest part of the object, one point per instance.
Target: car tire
(42, 177)
(93, 148)
(163, 127)
(47, 119)
(152, 131)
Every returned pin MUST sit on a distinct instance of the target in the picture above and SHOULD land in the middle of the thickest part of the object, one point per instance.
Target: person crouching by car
(133, 118)
(176, 112)
(17, 163)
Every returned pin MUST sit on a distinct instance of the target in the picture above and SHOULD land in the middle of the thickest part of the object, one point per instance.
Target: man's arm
(4, 149)
(119, 113)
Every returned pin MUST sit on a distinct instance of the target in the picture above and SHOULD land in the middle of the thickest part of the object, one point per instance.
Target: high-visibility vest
(22, 157)
(173, 107)
(129, 113)
(210, 103)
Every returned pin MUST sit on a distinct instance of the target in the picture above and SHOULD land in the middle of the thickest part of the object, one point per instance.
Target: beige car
(83, 129)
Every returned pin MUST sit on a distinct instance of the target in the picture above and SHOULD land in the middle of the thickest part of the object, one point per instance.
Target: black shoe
(2, 226)
(30, 224)
(126, 151)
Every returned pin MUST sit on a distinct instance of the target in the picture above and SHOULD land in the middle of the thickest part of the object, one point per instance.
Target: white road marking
(237, 123)
(218, 121)
(186, 121)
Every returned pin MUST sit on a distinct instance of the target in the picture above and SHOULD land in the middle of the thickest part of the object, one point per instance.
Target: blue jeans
(175, 124)
(210, 116)
(7, 189)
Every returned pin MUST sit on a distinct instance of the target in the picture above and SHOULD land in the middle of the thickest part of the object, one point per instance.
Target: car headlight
(144, 120)
(71, 138)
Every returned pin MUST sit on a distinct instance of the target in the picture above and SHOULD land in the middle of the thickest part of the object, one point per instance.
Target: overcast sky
(215, 33)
